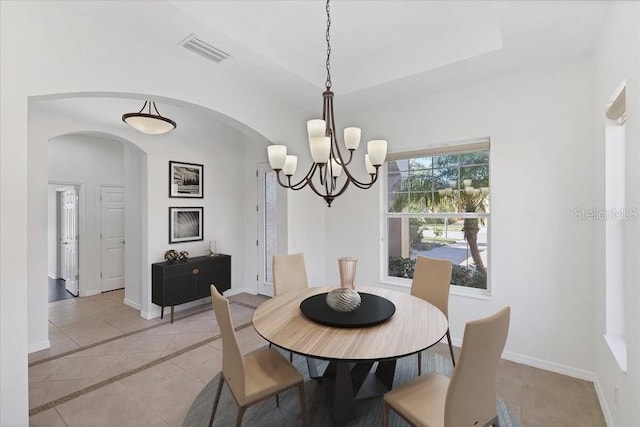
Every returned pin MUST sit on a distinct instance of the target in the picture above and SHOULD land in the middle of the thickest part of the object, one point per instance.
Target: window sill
(618, 346)
(483, 294)
(463, 291)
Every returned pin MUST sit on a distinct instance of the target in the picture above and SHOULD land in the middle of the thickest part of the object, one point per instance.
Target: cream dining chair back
(469, 397)
(431, 282)
(289, 273)
(252, 377)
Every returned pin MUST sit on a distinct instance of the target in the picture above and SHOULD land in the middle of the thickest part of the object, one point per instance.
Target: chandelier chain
(327, 83)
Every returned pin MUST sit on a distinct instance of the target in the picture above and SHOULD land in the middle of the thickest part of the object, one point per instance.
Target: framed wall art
(185, 224)
(186, 180)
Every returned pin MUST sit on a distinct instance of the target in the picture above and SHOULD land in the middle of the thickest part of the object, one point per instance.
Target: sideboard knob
(195, 271)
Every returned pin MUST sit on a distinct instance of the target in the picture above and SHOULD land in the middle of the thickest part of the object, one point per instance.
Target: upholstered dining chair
(255, 376)
(431, 282)
(469, 397)
(289, 273)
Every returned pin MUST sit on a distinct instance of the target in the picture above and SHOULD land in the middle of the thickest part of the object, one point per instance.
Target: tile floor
(109, 366)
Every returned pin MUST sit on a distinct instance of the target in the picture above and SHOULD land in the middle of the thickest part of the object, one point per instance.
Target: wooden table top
(415, 326)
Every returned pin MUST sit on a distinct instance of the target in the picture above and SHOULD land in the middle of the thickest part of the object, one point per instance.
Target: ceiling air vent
(194, 44)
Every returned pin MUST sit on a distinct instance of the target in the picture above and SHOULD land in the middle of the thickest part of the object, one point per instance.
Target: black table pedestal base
(344, 382)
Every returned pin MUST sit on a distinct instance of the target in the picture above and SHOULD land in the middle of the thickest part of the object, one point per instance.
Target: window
(615, 159)
(437, 205)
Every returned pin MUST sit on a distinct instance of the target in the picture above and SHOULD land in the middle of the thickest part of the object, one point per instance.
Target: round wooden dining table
(415, 326)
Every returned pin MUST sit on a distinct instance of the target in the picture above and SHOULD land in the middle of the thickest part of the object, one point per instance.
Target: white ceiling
(381, 50)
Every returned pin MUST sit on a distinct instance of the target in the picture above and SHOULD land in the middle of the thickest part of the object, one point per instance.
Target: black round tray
(372, 311)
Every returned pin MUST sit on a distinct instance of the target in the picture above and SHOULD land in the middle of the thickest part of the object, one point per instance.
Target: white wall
(68, 54)
(90, 162)
(617, 59)
(541, 129)
(135, 197)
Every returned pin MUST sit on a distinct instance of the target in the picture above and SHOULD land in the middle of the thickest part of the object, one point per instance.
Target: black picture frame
(186, 224)
(186, 180)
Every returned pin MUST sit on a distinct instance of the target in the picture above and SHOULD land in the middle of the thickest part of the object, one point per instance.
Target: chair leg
(385, 415)
(291, 357)
(216, 400)
(303, 405)
(419, 363)
(494, 422)
(453, 359)
(241, 410)
(277, 400)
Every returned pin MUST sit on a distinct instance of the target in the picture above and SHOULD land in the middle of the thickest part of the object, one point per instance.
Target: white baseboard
(132, 304)
(608, 418)
(542, 364)
(89, 293)
(42, 345)
(232, 292)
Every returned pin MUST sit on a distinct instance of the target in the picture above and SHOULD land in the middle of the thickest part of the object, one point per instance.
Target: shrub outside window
(437, 205)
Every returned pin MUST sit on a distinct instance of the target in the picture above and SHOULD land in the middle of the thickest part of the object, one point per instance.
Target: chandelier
(328, 176)
(149, 123)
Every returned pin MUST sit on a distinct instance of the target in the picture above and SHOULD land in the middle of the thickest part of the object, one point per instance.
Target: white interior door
(267, 227)
(69, 238)
(112, 237)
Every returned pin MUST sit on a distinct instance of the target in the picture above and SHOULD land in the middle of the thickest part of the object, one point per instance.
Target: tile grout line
(103, 383)
(108, 340)
(124, 335)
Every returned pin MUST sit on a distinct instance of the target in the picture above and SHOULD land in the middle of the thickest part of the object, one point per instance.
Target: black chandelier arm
(360, 184)
(342, 190)
(315, 190)
(300, 184)
(288, 185)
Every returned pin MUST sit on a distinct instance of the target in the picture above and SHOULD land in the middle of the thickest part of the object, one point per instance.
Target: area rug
(265, 413)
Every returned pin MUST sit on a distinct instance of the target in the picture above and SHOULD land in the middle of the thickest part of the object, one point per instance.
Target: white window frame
(458, 147)
(615, 228)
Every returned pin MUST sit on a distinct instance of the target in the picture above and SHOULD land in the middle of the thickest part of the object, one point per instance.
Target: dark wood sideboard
(174, 283)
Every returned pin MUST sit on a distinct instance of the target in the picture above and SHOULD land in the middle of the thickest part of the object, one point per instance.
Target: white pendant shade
(336, 169)
(316, 128)
(352, 138)
(320, 147)
(290, 165)
(147, 122)
(377, 149)
(149, 125)
(370, 168)
(277, 156)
